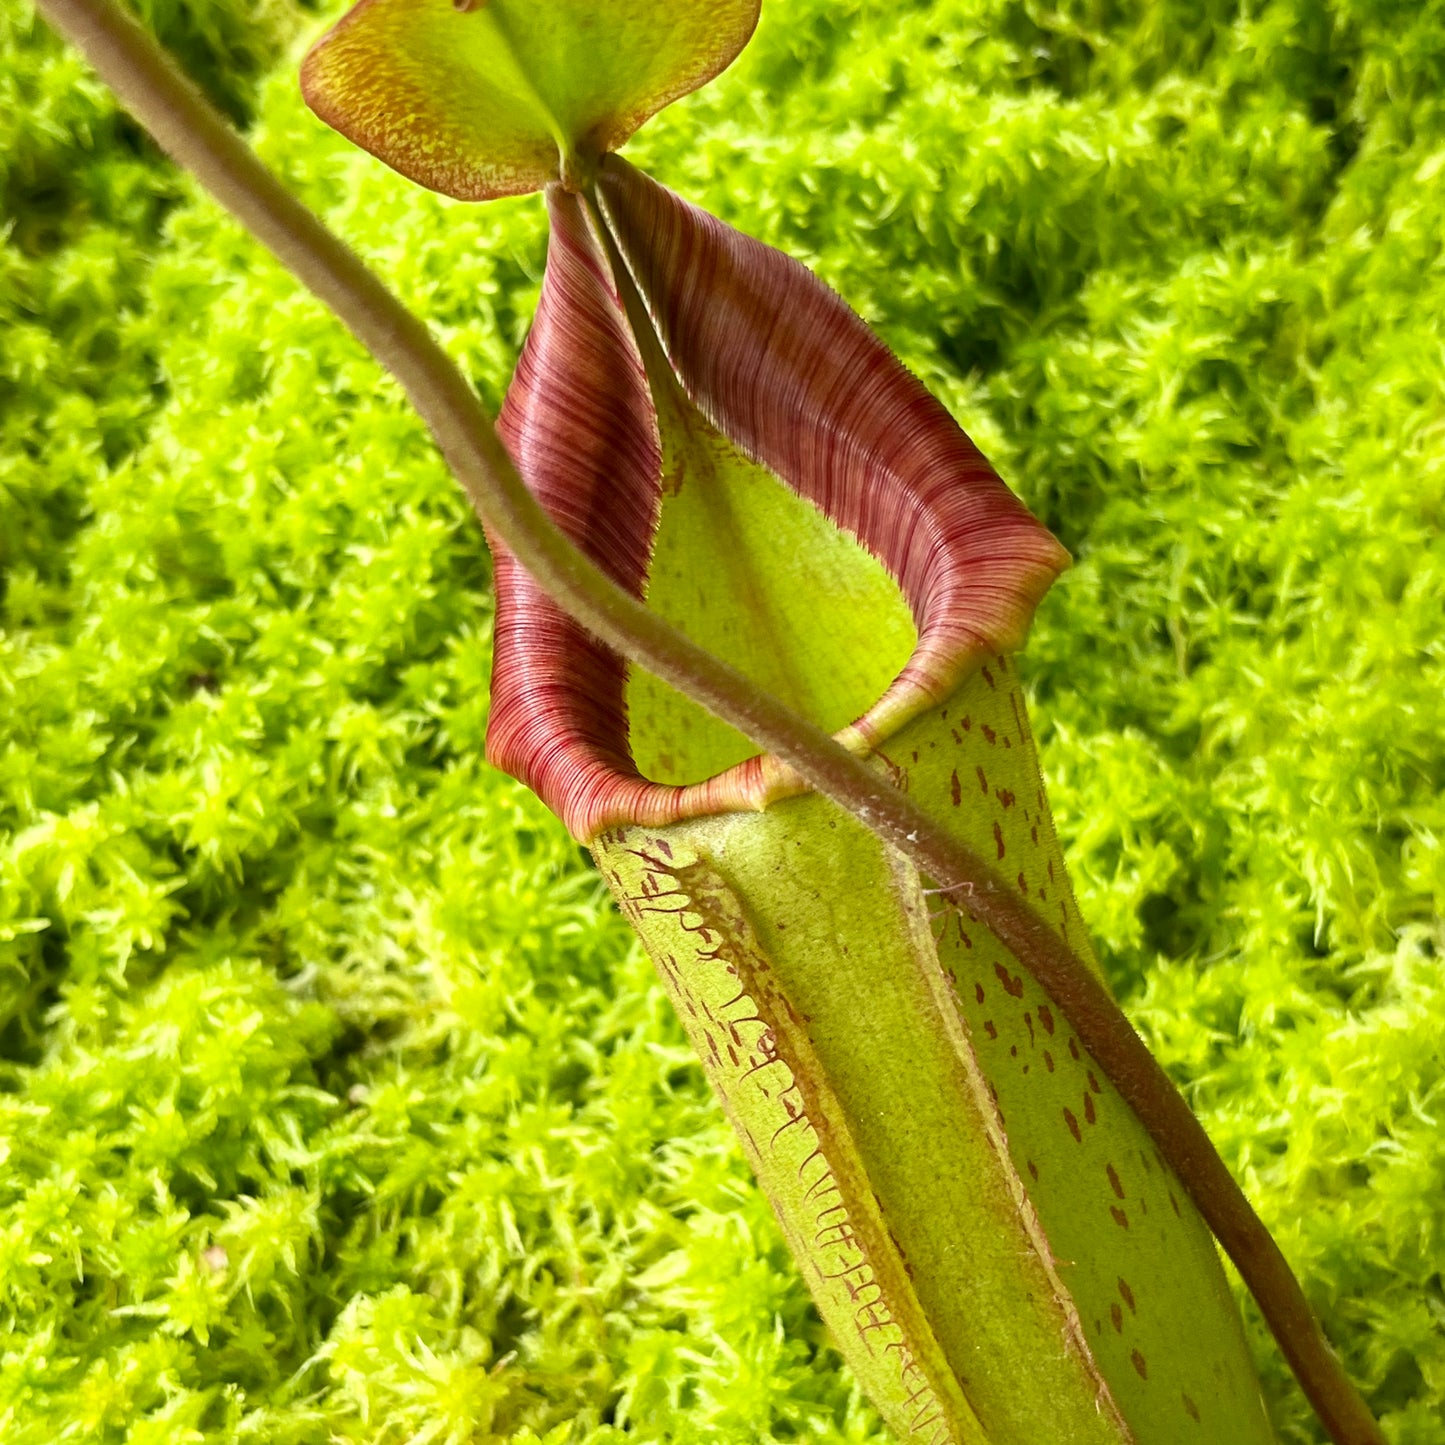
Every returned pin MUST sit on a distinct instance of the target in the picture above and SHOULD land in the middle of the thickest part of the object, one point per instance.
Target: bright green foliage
(330, 1080)
(81, 201)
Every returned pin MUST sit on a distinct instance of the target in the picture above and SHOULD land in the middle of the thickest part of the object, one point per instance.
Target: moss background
(335, 1103)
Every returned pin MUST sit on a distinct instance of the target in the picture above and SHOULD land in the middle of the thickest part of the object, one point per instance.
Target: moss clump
(337, 1105)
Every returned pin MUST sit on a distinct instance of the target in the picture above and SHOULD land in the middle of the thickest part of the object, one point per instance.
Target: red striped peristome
(781, 366)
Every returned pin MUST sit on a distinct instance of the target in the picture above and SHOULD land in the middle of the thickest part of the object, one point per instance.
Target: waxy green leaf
(484, 98)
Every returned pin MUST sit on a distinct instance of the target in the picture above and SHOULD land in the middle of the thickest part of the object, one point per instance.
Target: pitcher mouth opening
(744, 360)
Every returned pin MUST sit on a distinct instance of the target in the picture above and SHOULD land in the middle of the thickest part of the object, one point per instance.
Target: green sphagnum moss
(335, 1105)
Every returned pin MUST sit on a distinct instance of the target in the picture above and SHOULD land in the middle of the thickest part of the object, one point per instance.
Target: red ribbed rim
(781, 366)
